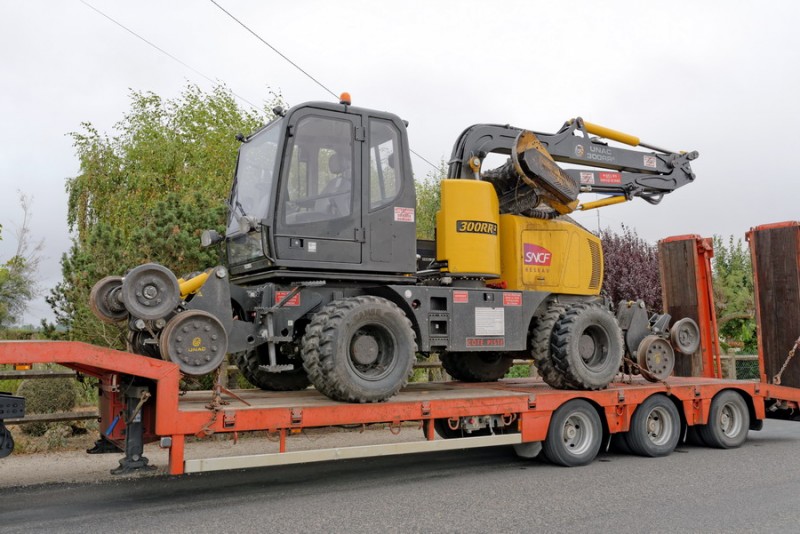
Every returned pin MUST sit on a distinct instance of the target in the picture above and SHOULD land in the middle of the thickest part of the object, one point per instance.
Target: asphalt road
(754, 488)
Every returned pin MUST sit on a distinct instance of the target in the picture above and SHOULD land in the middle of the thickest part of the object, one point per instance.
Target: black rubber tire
(575, 434)
(6, 441)
(655, 428)
(728, 421)
(249, 362)
(476, 366)
(329, 353)
(587, 346)
(540, 338)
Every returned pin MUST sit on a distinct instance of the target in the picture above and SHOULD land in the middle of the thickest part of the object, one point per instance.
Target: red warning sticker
(486, 342)
(404, 214)
(294, 301)
(460, 297)
(512, 299)
(610, 177)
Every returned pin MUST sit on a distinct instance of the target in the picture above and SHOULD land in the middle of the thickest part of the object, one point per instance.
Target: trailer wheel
(249, 364)
(476, 366)
(587, 346)
(655, 428)
(6, 441)
(540, 336)
(359, 349)
(728, 421)
(575, 434)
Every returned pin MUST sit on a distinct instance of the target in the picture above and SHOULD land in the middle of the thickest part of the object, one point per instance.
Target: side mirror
(210, 237)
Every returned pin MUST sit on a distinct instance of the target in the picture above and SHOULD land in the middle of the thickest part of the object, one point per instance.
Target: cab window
(384, 163)
(319, 182)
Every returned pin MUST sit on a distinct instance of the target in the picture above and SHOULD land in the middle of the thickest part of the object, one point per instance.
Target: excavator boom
(532, 179)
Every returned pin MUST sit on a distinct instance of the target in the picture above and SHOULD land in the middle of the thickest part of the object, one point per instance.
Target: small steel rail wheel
(477, 366)
(150, 291)
(655, 427)
(105, 302)
(195, 340)
(728, 421)
(655, 355)
(359, 349)
(575, 434)
(685, 335)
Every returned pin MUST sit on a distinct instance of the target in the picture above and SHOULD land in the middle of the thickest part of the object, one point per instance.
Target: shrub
(47, 396)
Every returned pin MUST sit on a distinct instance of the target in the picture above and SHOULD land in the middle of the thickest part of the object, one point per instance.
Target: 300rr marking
(476, 227)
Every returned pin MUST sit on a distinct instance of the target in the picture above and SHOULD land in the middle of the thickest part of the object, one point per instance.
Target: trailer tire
(655, 428)
(359, 349)
(540, 336)
(6, 441)
(575, 434)
(476, 366)
(249, 363)
(728, 421)
(587, 346)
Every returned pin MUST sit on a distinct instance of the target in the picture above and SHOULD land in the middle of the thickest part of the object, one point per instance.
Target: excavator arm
(533, 183)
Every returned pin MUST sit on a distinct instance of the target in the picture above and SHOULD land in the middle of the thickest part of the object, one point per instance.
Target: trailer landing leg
(134, 459)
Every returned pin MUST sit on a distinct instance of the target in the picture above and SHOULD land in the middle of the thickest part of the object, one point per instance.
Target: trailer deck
(145, 391)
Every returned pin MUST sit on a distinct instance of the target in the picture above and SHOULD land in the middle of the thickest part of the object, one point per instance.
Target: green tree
(18, 274)
(733, 293)
(428, 201)
(146, 193)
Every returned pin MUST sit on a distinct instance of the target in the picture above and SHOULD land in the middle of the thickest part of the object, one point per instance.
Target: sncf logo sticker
(536, 255)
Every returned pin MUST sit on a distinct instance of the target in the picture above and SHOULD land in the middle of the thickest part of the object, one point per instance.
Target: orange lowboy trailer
(141, 401)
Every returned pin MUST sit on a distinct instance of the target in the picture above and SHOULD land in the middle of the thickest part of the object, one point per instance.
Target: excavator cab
(325, 188)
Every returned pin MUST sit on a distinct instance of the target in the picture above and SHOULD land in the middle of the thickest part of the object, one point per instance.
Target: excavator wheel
(541, 332)
(250, 362)
(587, 346)
(359, 349)
(477, 366)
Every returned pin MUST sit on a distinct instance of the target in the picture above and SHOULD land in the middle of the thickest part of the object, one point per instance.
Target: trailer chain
(645, 373)
(777, 379)
(142, 399)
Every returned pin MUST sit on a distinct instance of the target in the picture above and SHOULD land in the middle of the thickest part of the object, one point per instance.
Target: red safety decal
(486, 342)
(512, 299)
(404, 214)
(610, 177)
(460, 297)
(294, 301)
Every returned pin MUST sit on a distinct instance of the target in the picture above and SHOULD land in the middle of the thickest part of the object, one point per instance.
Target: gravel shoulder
(77, 466)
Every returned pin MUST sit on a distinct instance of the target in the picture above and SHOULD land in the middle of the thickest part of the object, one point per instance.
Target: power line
(298, 67)
(295, 65)
(214, 82)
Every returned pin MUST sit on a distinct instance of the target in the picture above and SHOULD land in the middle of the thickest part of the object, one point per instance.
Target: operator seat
(338, 188)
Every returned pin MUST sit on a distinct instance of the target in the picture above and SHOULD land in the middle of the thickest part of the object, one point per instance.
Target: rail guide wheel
(150, 291)
(195, 340)
(105, 300)
(685, 335)
(656, 357)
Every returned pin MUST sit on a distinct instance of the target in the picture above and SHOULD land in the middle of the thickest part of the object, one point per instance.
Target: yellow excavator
(326, 284)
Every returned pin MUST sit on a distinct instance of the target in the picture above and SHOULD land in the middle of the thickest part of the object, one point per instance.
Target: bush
(47, 396)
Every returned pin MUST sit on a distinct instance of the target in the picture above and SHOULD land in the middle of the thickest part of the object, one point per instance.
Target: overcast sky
(717, 77)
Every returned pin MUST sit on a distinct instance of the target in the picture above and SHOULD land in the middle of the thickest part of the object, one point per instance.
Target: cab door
(318, 217)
